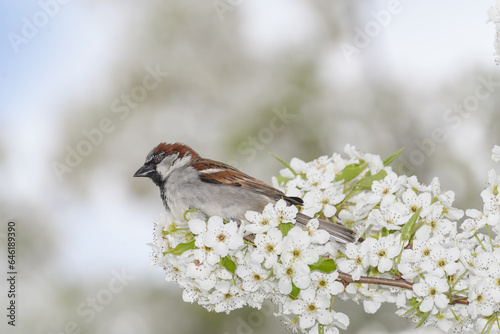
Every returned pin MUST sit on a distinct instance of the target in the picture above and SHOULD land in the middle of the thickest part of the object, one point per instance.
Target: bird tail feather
(340, 234)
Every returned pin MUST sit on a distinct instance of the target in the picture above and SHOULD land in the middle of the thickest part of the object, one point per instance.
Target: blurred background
(89, 87)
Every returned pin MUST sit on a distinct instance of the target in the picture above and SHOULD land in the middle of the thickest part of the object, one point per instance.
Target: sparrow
(187, 181)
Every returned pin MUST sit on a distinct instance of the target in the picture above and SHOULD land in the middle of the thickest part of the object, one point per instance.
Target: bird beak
(144, 171)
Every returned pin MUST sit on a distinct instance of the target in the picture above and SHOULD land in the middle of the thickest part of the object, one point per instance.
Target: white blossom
(226, 297)
(316, 180)
(340, 320)
(434, 223)
(317, 235)
(442, 261)
(260, 222)
(446, 198)
(326, 283)
(296, 247)
(312, 307)
(357, 259)
(383, 251)
(491, 199)
(268, 248)
(391, 184)
(322, 201)
(494, 282)
(481, 301)
(253, 276)
(495, 156)
(432, 289)
(392, 214)
(197, 267)
(494, 16)
(222, 237)
(415, 202)
(472, 225)
(296, 272)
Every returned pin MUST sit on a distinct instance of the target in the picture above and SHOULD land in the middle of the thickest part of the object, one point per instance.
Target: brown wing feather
(231, 176)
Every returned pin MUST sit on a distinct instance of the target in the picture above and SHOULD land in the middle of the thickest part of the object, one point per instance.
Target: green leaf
(414, 303)
(324, 264)
(350, 172)
(228, 264)
(284, 163)
(271, 274)
(392, 157)
(409, 228)
(282, 179)
(424, 317)
(181, 248)
(366, 183)
(295, 291)
(321, 329)
(285, 228)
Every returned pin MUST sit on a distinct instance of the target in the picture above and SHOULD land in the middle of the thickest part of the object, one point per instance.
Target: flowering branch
(414, 250)
(347, 279)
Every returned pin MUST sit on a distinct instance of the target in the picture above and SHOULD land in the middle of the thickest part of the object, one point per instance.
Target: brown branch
(398, 282)
(401, 283)
(462, 301)
(250, 238)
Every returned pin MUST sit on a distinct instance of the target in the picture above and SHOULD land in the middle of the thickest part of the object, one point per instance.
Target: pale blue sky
(428, 36)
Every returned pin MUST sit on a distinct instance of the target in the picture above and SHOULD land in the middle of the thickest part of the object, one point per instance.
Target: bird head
(165, 158)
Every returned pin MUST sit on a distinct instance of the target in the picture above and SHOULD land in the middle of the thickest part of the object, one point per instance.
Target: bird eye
(158, 158)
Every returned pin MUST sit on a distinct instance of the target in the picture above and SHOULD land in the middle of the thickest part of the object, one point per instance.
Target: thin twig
(401, 283)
